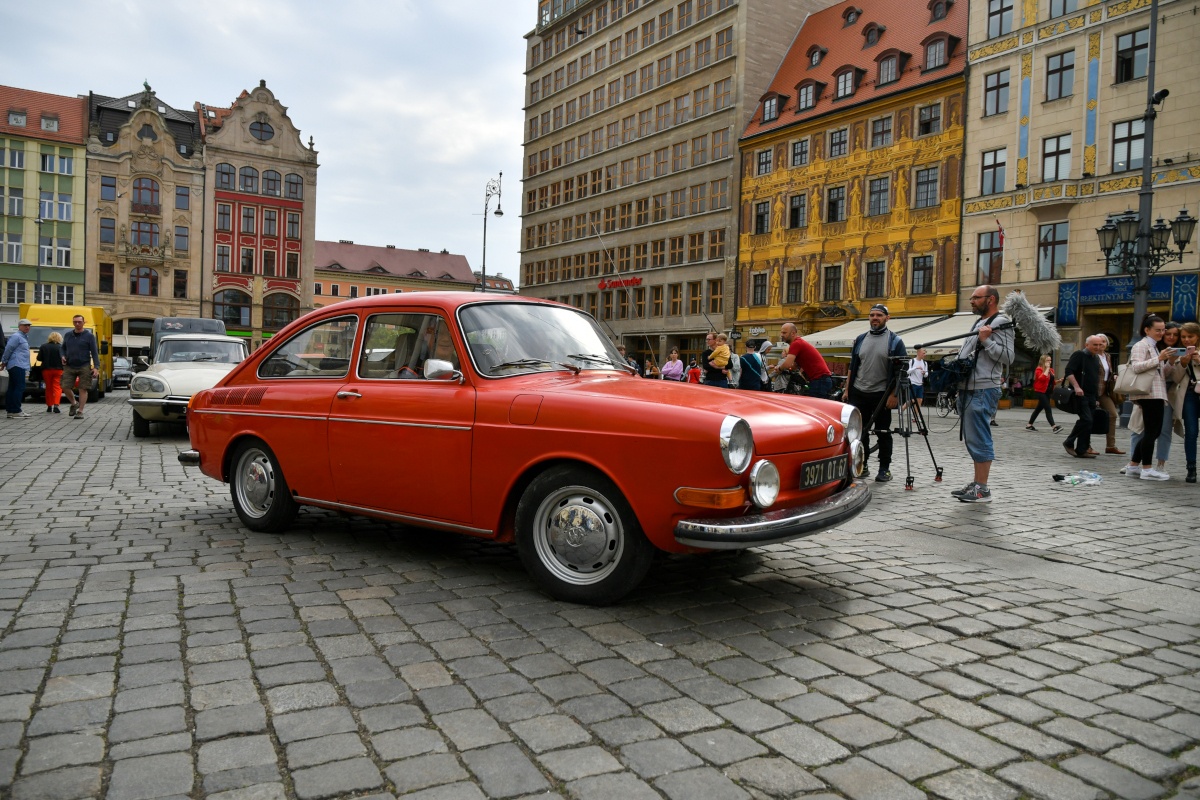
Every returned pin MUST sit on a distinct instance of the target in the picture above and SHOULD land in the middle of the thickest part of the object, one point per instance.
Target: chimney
(345, 241)
(445, 252)
(391, 247)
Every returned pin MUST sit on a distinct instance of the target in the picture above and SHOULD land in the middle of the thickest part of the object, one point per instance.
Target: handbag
(1132, 383)
(1065, 399)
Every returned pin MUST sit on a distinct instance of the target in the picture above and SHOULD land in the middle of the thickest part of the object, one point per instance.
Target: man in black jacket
(1084, 376)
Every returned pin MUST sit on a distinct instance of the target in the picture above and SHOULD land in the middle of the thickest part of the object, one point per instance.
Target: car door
(398, 442)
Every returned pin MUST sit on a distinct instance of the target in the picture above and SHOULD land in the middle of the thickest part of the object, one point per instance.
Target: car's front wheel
(141, 426)
(579, 539)
(260, 493)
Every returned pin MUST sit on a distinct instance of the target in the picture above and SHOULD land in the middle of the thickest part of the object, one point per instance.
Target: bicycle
(947, 402)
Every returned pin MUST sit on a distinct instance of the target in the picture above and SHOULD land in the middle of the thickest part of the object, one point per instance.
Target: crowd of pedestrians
(70, 367)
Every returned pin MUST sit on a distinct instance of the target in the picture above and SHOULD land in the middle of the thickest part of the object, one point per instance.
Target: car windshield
(40, 334)
(121, 362)
(183, 350)
(514, 338)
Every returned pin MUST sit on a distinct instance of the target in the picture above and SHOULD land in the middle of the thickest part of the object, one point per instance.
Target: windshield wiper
(205, 358)
(602, 359)
(524, 362)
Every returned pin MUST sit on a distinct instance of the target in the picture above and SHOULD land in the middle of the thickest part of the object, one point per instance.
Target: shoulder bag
(1134, 384)
(1065, 399)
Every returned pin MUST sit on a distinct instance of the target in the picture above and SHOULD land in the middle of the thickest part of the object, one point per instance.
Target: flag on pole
(1001, 227)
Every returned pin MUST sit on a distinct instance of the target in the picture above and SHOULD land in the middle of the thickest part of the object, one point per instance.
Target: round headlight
(852, 422)
(737, 444)
(145, 384)
(764, 484)
(858, 458)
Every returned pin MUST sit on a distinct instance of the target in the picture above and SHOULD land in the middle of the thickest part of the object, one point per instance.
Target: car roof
(199, 337)
(450, 301)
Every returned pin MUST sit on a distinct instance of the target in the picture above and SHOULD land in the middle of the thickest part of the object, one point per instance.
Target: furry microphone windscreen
(1040, 335)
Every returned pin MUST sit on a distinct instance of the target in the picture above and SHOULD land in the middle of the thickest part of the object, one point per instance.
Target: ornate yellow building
(851, 171)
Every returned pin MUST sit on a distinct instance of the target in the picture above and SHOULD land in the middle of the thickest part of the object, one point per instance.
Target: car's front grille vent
(239, 397)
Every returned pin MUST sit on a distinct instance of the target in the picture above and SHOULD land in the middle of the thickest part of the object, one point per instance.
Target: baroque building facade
(259, 214)
(145, 188)
(42, 213)
(632, 109)
(1055, 145)
(851, 170)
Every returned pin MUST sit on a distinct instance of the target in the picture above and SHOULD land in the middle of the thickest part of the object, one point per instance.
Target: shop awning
(839, 340)
(957, 325)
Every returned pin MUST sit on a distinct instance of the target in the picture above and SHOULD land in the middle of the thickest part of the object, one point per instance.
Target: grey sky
(413, 104)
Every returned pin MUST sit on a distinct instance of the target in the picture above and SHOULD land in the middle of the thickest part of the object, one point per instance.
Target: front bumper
(775, 526)
(171, 408)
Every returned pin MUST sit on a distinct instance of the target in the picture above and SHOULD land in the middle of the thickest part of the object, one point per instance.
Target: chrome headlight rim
(148, 385)
(764, 484)
(851, 423)
(858, 458)
(737, 444)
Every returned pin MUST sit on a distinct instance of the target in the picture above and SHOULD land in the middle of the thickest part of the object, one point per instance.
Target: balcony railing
(152, 209)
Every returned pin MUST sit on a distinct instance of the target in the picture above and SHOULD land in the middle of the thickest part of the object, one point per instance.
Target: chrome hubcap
(578, 535)
(256, 483)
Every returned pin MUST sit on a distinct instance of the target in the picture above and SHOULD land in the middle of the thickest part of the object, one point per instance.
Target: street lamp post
(491, 190)
(37, 286)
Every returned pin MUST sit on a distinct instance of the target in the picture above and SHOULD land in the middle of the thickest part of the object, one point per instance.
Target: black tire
(141, 426)
(260, 493)
(943, 404)
(603, 554)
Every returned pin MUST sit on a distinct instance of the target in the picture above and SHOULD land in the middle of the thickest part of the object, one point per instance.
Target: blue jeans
(821, 387)
(976, 407)
(16, 390)
(1191, 426)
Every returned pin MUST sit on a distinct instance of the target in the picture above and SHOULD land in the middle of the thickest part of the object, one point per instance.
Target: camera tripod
(909, 420)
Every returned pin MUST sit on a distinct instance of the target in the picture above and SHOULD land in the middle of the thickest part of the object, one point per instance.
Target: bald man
(1084, 374)
(803, 356)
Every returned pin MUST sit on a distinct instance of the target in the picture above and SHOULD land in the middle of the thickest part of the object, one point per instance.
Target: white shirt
(917, 370)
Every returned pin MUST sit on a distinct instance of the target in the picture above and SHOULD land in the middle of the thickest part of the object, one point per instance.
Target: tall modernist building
(851, 169)
(1054, 146)
(259, 215)
(633, 109)
(42, 217)
(145, 177)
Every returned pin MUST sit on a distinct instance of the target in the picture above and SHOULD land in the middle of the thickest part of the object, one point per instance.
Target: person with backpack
(754, 371)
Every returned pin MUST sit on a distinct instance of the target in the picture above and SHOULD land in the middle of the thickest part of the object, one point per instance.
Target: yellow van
(49, 318)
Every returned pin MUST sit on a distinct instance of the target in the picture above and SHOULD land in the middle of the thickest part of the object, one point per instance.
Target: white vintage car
(184, 364)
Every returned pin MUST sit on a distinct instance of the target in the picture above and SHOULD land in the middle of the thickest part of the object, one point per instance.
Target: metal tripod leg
(923, 429)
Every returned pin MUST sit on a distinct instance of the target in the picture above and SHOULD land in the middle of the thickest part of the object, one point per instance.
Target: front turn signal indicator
(711, 498)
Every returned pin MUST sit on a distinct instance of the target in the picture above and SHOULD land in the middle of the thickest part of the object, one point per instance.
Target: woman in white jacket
(1146, 357)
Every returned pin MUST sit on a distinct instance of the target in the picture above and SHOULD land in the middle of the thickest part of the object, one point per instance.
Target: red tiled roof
(71, 113)
(907, 24)
(422, 264)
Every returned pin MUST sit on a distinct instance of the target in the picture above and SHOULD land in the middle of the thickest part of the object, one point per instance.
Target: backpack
(751, 377)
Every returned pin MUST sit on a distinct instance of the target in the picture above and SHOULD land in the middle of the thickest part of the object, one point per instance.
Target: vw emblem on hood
(829, 434)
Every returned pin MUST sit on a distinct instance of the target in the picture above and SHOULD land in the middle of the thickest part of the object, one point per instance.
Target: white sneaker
(1151, 474)
(1131, 471)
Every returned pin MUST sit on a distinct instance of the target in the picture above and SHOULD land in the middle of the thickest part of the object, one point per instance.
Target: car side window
(396, 346)
(320, 351)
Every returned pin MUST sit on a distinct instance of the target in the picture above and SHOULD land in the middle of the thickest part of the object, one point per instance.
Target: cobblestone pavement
(1046, 645)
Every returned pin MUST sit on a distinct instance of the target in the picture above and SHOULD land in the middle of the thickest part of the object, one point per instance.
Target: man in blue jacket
(16, 360)
(872, 373)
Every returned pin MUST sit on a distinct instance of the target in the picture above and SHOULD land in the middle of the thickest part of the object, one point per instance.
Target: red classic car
(516, 420)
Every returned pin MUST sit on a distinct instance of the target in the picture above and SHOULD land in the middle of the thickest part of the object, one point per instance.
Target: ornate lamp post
(37, 286)
(1130, 244)
(491, 190)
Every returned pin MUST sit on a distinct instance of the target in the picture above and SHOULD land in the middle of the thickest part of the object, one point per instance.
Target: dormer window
(850, 16)
(50, 124)
(891, 65)
(815, 54)
(807, 95)
(848, 79)
(770, 109)
(938, 49)
(16, 119)
(871, 34)
(938, 9)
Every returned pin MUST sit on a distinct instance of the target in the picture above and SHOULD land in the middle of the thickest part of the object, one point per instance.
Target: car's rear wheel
(260, 492)
(141, 426)
(578, 537)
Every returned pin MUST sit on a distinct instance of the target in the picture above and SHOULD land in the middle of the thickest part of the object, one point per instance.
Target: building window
(270, 222)
(1128, 141)
(143, 234)
(716, 296)
(991, 171)
(878, 196)
(278, 310)
(293, 186)
(222, 264)
(224, 217)
(62, 253)
(108, 187)
(143, 281)
(762, 217)
(248, 180)
(990, 258)
(225, 173)
(806, 97)
(270, 183)
(833, 283)
(922, 275)
(794, 286)
(64, 295)
(1060, 75)
(1052, 251)
(724, 43)
(1056, 158)
(108, 230)
(764, 162)
(145, 196)
(927, 188)
(248, 216)
(839, 142)
(800, 153)
(107, 272)
(1060, 8)
(247, 266)
(293, 225)
(16, 156)
(716, 243)
(876, 285)
(16, 119)
(935, 54)
(292, 261)
(887, 70)
(995, 93)
(881, 132)
(183, 198)
(798, 211)
(1133, 55)
(261, 131)
(66, 166)
(929, 120)
(181, 238)
(770, 109)
(759, 289)
(232, 307)
(845, 83)
(835, 204)
(1000, 17)
(179, 278)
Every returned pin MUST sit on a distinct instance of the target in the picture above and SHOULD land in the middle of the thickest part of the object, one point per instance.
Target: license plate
(819, 473)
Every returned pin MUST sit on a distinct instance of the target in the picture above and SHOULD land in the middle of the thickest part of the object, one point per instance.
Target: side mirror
(141, 364)
(104, 348)
(438, 370)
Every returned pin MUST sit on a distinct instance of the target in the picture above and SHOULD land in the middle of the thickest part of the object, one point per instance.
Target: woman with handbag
(1147, 358)
(1043, 387)
(1172, 373)
(1189, 406)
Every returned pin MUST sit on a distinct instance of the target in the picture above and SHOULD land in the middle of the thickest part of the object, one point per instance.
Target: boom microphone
(1040, 335)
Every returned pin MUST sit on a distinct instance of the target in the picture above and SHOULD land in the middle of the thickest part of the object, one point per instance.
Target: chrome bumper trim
(775, 526)
(189, 458)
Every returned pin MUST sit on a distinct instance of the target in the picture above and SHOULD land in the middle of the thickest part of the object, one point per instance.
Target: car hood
(187, 378)
(780, 423)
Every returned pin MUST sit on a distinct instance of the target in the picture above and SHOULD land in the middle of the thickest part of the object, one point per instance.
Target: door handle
(347, 395)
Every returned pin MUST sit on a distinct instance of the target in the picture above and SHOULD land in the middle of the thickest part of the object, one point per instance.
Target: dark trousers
(821, 387)
(16, 390)
(866, 403)
(1043, 403)
(1092, 420)
(1152, 420)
